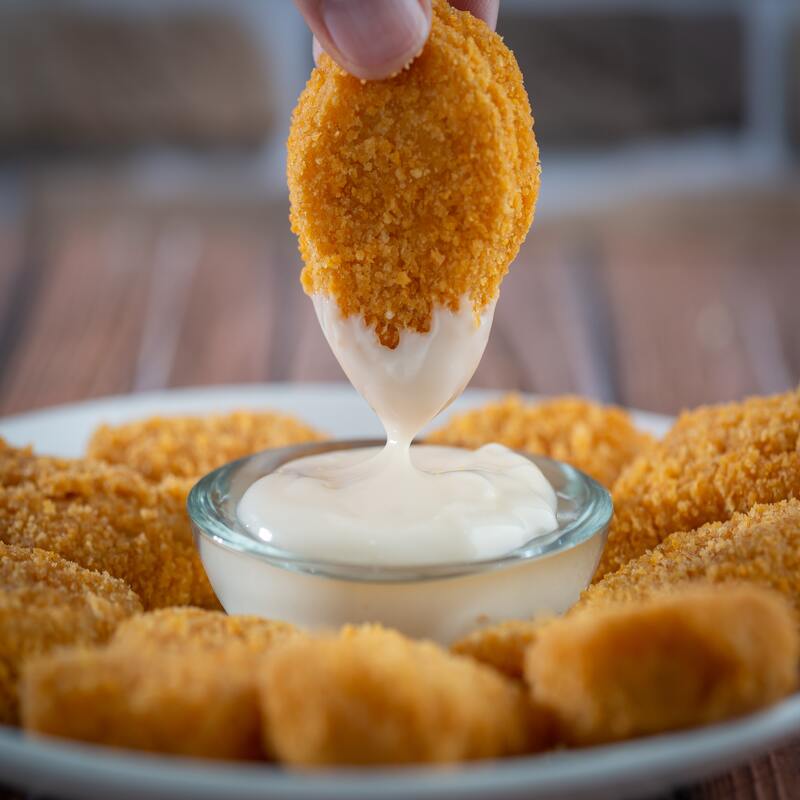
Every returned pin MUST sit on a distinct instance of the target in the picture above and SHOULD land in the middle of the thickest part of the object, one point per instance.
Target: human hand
(376, 38)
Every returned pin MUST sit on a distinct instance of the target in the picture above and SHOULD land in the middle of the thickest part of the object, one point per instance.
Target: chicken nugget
(196, 628)
(600, 440)
(189, 447)
(502, 646)
(201, 703)
(715, 461)
(371, 696)
(47, 601)
(762, 547)
(675, 661)
(415, 191)
(106, 518)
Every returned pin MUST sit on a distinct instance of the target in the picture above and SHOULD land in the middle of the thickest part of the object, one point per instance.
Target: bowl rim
(205, 497)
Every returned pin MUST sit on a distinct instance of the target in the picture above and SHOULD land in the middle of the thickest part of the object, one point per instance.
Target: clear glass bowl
(438, 601)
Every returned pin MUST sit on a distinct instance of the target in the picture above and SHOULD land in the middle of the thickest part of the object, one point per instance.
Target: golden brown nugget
(415, 191)
(761, 547)
(600, 440)
(106, 518)
(371, 696)
(201, 704)
(47, 601)
(189, 447)
(715, 461)
(675, 661)
(181, 628)
(502, 646)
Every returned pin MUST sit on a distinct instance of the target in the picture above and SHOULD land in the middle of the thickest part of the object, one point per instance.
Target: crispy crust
(674, 661)
(762, 547)
(196, 628)
(106, 518)
(418, 190)
(47, 601)
(600, 440)
(715, 461)
(203, 704)
(502, 646)
(177, 680)
(370, 696)
(189, 447)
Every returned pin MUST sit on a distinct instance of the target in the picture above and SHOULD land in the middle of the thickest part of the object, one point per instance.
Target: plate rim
(622, 763)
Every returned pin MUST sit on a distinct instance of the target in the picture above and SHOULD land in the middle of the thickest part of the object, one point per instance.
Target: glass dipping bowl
(436, 601)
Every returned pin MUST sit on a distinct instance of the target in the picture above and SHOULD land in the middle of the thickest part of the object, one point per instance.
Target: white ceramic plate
(69, 770)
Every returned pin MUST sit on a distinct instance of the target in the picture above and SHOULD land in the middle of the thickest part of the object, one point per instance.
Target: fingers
(483, 9)
(369, 38)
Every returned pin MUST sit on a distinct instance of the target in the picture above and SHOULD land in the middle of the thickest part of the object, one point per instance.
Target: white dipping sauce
(401, 505)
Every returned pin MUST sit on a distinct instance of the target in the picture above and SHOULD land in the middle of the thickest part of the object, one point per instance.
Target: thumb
(369, 38)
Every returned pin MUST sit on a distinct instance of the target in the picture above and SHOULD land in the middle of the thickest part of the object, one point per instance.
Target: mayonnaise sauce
(403, 505)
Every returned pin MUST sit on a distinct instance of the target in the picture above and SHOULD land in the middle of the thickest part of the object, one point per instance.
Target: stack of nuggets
(105, 518)
(180, 681)
(715, 461)
(194, 682)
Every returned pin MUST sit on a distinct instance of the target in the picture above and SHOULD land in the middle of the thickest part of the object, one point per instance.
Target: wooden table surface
(661, 305)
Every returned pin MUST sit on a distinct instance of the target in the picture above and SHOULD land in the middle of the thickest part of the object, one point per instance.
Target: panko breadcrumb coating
(502, 646)
(715, 461)
(675, 661)
(371, 696)
(179, 628)
(106, 518)
(600, 440)
(47, 601)
(189, 447)
(762, 547)
(201, 704)
(415, 191)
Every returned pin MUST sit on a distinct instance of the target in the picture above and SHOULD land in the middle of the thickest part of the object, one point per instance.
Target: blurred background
(144, 240)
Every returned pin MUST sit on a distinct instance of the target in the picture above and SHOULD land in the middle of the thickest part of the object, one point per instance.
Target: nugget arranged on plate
(189, 447)
(416, 191)
(47, 601)
(106, 518)
(195, 628)
(201, 704)
(715, 461)
(501, 646)
(761, 547)
(600, 440)
(675, 661)
(371, 696)
(181, 681)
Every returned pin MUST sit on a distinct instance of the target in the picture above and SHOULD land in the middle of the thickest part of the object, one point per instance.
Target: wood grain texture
(661, 306)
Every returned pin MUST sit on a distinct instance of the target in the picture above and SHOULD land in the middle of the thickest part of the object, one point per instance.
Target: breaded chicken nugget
(715, 461)
(415, 191)
(502, 646)
(47, 601)
(189, 447)
(196, 628)
(600, 440)
(371, 696)
(762, 547)
(201, 703)
(106, 518)
(679, 660)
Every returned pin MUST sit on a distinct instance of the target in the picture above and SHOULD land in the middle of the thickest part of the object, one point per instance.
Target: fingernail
(375, 37)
